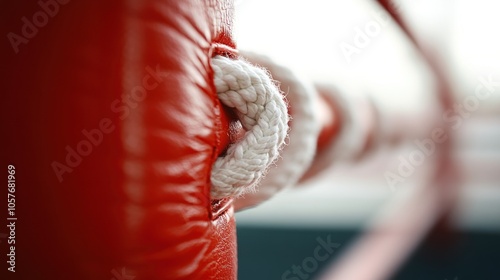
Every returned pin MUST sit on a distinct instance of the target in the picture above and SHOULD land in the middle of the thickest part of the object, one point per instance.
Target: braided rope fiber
(305, 126)
(263, 113)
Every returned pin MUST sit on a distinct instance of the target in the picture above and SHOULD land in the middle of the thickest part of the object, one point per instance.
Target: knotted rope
(297, 155)
(262, 111)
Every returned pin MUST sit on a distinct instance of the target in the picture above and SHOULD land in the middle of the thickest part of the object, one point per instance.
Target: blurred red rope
(394, 236)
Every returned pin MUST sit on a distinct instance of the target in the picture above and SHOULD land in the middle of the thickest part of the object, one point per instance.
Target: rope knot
(262, 111)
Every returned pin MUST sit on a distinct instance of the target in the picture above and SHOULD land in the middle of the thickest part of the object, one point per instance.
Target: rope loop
(263, 113)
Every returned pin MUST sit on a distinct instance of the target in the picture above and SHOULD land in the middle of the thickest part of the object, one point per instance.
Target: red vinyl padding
(111, 119)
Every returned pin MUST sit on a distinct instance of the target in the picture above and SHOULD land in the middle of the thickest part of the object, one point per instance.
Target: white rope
(262, 112)
(305, 127)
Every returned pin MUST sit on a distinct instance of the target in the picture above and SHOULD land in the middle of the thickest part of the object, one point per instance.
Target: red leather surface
(140, 199)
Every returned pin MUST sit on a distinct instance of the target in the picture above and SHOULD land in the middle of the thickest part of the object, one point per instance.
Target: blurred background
(354, 46)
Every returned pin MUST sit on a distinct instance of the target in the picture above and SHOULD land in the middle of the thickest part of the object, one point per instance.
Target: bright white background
(306, 36)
